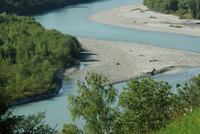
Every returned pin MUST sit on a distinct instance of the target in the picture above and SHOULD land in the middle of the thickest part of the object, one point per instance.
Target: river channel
(73, 20)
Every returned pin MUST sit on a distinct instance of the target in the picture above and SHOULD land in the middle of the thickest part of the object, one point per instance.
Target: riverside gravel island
(123, 61)
(138, 16)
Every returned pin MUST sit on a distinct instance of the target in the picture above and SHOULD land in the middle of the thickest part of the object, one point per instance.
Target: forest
(186, 9)
(27, 7)
(30, 55)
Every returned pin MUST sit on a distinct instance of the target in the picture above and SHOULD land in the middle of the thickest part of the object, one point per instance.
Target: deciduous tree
(146, 106)
(94, 104)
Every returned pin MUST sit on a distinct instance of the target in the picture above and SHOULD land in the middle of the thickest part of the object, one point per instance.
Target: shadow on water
(77, 5)
(96, 1)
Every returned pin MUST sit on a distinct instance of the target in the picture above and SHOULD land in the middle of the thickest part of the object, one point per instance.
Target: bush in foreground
(145, 106)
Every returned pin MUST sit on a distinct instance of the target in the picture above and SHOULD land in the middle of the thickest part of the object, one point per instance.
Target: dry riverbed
(122, 61)
(138, 16)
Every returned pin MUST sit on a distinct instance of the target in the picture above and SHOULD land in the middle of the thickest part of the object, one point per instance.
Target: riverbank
(123, 61)
(30, 8)
(43, 96)
(138, 16)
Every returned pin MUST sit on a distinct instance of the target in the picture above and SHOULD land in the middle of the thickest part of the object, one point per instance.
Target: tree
(192, 8)
(71, 129)
(173, 5)
(31, 54)
(1, 40)
(146, 106)
(188, 95)
(33, 124)
(93, 103)
(6, 122)
(12, 124)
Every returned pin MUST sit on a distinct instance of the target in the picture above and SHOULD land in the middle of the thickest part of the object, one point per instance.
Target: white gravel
(102, 57)
(138, 17)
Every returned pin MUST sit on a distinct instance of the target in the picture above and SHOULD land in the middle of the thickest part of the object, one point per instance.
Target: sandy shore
(122, 61)
(137, 16)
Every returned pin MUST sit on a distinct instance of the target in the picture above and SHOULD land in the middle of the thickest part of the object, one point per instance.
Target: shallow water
(74, 20)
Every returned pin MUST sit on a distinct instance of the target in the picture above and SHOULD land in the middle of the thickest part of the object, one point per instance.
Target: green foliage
(25, 7)
(179, 7)
(186, 16)
(1, 42)
(175, 26)
(33, 124)
(93, 103)
(12, 124)
(6, 122)
(30, 55)
(194, 8)
(71, 129)
(146, 106)
(188, 95)
(188, 124)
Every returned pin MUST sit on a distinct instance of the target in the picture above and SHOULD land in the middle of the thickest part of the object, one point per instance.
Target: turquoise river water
(74, 20)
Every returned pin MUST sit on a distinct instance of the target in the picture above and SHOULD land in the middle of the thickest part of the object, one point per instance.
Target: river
(74, 20)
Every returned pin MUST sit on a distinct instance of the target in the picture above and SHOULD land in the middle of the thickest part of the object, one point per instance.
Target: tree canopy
(186, 9)
(145, 105)
(30, 55)
(94, 104)
(21, 124)
(27, 7)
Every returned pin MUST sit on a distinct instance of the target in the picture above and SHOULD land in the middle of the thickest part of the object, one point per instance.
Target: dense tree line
(183, 8)
(26, 7)
(145, 106)
(21, 124)
(30, 55)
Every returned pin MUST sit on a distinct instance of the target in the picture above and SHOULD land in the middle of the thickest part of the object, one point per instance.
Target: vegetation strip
(27, 7)
(186, 9)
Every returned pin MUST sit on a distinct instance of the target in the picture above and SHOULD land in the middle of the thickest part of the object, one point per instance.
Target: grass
(152, 17)
(136, 9)
(175, 26)
(187, 124)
